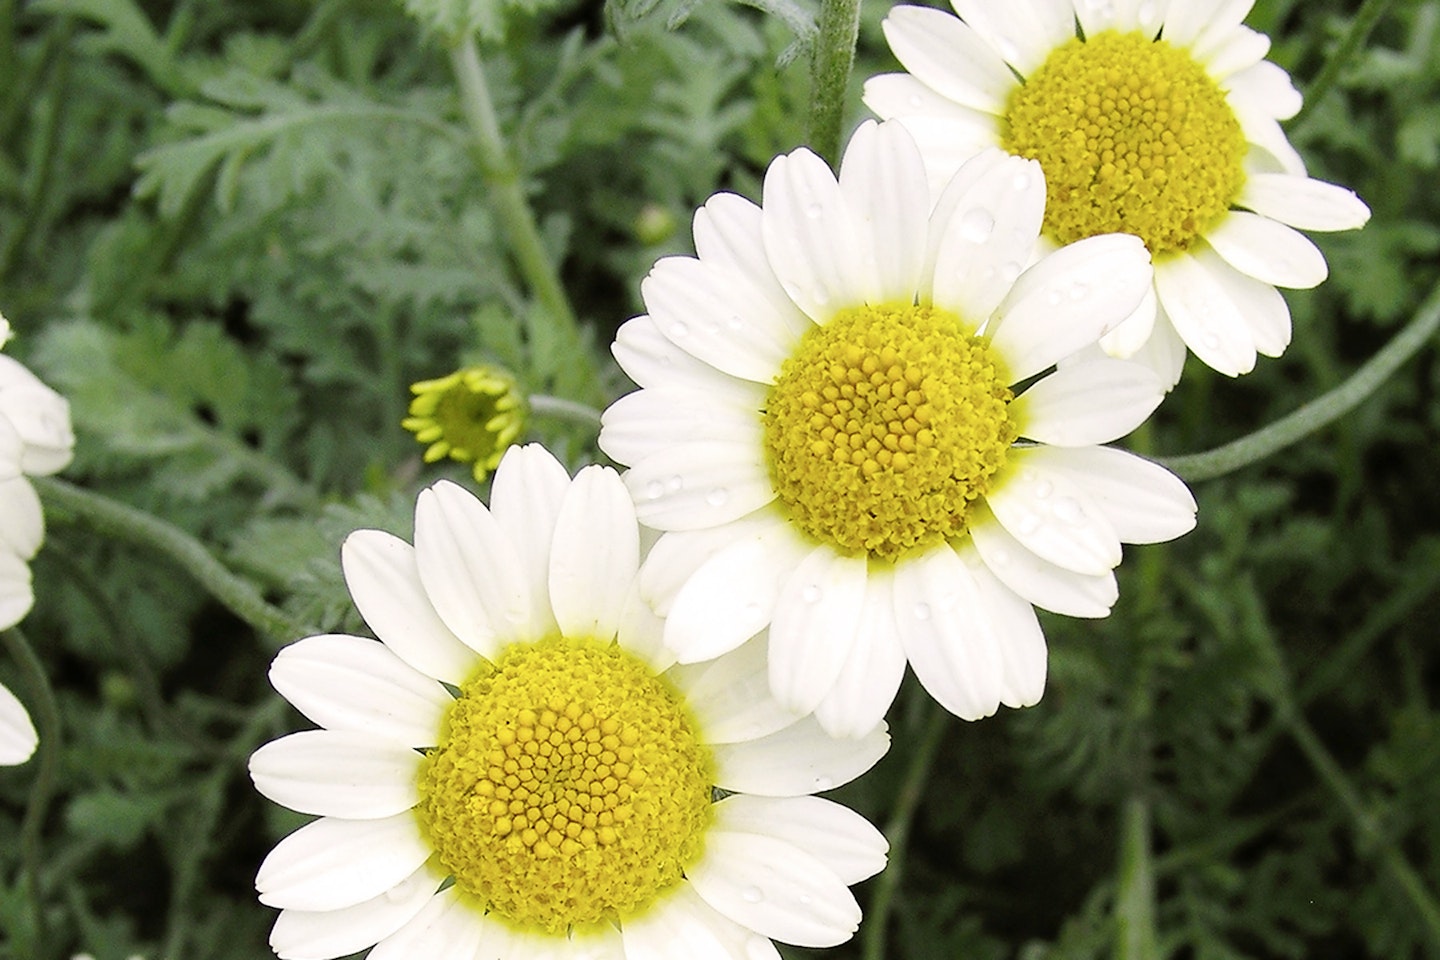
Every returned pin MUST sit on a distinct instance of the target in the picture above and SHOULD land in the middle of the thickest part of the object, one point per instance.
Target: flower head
(472, 416)
(847, 431)
(519, 768)
(1155, 119)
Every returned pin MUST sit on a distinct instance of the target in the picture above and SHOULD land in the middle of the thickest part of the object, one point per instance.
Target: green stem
(1365, 19)
(547, 406)
(506, 190)
(1321, 411)
(47, 725)
(1135, 900)
(126, 523)
(897, 831)
(830, 63)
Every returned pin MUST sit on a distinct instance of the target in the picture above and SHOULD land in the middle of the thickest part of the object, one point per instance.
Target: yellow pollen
(472, 416)
(568, 787)
(1134, 137)
(884, 426)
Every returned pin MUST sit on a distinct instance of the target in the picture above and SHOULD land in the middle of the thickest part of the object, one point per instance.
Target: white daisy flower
(828, 422)
(35, 439)
(518, 769)
(1152, 117)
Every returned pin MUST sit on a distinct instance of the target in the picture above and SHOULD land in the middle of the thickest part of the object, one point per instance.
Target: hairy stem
(126, 523)
(897, 831)
(47, 725)
(558, 407)
(1320, 412)
(830, 62)
(1369, 14)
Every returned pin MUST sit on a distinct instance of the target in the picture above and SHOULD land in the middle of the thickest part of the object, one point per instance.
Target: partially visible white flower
(5, 331)
(35, 439)
(17, 733)
(1157, 119)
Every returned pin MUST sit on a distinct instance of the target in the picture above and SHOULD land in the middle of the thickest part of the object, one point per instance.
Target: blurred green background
(233, 233)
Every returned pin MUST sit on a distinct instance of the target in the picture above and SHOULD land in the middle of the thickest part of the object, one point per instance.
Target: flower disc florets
(1133, 135)
(568, 787)
(884, 426)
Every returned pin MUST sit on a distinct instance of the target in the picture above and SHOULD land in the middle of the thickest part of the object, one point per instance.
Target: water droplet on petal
(811, 593)
(736, 322)
(679, 330)
(916, 102)
(1053, 298)
(1029, 524)
(805, 899)
(675, 484)
(1010, 271)
(921, 611)
(976, 225)
(1043, 489)
(1211, 340)
(654, 490)
(717, 497)
(752, 894)
(1021, 181)
(1069, 510)
(999, 558)
(1079, 290)
(823, 783)
(814, 210)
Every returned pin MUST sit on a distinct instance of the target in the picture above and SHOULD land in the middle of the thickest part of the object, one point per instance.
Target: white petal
(596, 554)
(948, 56)
(384, 580)
(700, 484)
(984, 230)
(871, 676)
(448, 927)
(17, 734)
(1268, 250)
(1266, 88)
(730, 695)
(947, 142)
(22, 518)
(901, 95)
(1263, 131)
(1302, 202)
(309, 935)
(1069, 300)
(525, 498)
(703, 309)
(675, 557)
(651, 360)
(12, 446)
(1263, 307)
(948, 635)
(1022, 32)
(774, 888)
(728, 232)
(332, 864)
(337, 773)
(1145, 16)
(813, 629)
(1212, 325)
(731, 597)
(1053, 517)
(1039, 581)
(1234, 53)
(642, 632)
(837, 836)
(41, 417)
(1143, 501)
(1164, 352)
(470, 569)
(684, 926)
(1087, 403)
(1134, 331)
(1184, 22)
(800, 759)
(882, 178)
(16, 594)
(349, 683)
(643, 423)
(811, 238)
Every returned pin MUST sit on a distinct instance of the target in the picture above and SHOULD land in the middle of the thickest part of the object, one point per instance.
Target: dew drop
(1010, 271)
(1043, 489)
(717, 497)
(1079, 291)
(814, 210)
(1021, 181)
(736, 322)
(921, 611)
(976, 225)
(1029, 524)
(1068, 509)
(752, 894)
(679, 330)
(1211, 340)
(916, 103)
(811, 593)
(999, 558)
(675, 484)
(654, 490)
(805, 899)
(823, 783)
(1054, 298)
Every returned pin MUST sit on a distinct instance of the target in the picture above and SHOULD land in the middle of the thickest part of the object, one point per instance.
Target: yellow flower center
(1134, 137)
(472, 416)
(883, 428)
(568, 788)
